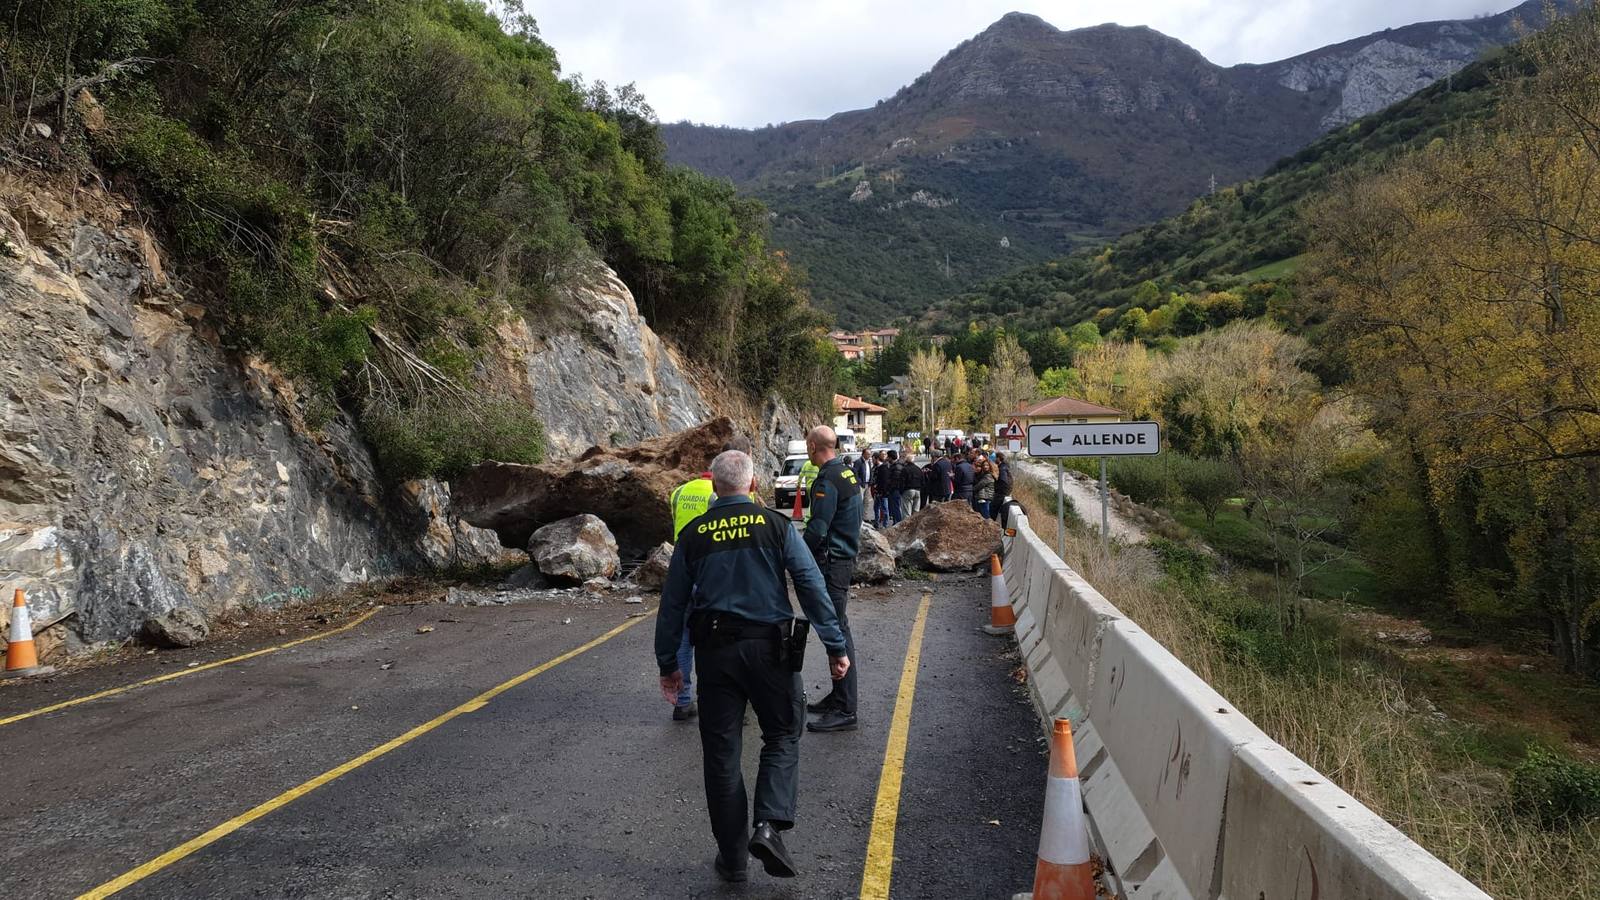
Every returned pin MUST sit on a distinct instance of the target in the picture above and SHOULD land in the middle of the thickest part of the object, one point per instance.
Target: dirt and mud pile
(945, 537)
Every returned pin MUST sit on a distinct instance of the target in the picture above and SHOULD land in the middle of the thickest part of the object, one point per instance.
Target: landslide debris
(945, 537)
(627, 487)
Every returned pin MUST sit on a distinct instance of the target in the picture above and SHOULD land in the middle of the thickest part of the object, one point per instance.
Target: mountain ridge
(1037, 141)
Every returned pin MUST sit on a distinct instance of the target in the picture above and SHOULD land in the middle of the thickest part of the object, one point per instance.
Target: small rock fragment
(425, 629)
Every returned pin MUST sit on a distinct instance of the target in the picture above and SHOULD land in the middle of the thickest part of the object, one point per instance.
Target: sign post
(1102, 440)
(1013, 436)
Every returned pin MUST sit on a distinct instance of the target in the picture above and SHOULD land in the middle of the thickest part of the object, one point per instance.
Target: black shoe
(685, 713)
(766, 846)
(826, 704)
(834, 720)
(728, 873)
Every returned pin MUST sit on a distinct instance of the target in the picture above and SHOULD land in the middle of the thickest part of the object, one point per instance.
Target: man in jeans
(834, 536)
(893, 489)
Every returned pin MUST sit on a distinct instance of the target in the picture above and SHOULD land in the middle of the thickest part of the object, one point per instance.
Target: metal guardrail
(1188, 798)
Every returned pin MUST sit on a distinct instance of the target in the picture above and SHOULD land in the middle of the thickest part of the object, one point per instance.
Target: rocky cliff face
(143, 468)
(600, 376)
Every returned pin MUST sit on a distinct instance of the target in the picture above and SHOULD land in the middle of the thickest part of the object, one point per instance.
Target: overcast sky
(754, 62)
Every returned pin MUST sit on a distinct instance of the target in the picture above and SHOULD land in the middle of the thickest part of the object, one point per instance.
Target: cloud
(753, 62)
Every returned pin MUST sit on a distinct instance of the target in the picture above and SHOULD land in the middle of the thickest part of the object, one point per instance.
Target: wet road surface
(570, 781)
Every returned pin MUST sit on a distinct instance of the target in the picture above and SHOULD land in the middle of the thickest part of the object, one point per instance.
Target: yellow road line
(179, 674)
(202, 841)
(886, 812)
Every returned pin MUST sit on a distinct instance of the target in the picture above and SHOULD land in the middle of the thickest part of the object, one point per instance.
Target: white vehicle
(786, 481)
(847, 441)
(944, 434)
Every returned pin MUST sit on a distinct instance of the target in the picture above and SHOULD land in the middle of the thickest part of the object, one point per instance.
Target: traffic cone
(1064, 871)
(1002, 618)
(796, 514)
(22, 658)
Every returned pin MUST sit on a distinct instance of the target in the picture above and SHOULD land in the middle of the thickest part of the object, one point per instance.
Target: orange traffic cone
(1002, 618)
(796, 514)
(1064, 871)
(22, 658)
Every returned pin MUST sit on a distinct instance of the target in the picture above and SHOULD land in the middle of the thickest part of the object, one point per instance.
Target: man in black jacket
(945, 469)
(880, 490)
(963, 477)
(1002, 488)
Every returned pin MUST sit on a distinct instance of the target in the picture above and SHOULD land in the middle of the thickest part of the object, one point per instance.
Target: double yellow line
(208, 838)
(112, 692)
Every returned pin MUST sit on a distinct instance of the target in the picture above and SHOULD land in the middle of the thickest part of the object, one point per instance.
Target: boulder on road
(875, 562)
(181, 626)
(628, 487)
(945, 537)
(575, 549)
(652, 573)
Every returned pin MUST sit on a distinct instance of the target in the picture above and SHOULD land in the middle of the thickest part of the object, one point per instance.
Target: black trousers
(836, 575)
(731, 675)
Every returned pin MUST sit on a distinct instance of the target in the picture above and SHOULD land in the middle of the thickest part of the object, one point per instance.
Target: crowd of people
(976, 476)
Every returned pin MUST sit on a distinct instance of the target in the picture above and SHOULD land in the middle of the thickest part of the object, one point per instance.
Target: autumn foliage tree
(1466, 283)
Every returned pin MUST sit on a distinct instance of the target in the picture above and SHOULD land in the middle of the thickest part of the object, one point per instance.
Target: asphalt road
(572, 782)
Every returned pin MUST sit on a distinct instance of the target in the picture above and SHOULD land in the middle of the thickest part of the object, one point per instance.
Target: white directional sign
(1107, 439)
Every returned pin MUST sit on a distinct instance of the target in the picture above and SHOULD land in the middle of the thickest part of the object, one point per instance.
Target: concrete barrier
(1187, 797)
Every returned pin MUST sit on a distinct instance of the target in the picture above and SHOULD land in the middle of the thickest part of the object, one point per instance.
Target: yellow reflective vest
(689, 502)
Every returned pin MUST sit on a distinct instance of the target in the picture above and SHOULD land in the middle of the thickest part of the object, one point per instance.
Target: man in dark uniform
(727, 580)
(834, 536)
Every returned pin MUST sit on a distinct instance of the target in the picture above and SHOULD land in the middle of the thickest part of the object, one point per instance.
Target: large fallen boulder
(652, 573)
(875, 562)
(628, 487)
(945, 537)
(575, 549)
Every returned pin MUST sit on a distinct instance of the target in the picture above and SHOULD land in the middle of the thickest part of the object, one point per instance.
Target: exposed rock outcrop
(597, 374)
(575, 550)
(628, 487)
(142, 469)
(945, 537)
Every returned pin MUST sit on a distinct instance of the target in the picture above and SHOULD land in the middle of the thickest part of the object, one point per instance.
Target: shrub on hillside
(1145, 481)
(1555, 790)
(444, 440)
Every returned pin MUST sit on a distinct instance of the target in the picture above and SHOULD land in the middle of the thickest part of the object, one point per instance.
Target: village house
(1069, 411)
(861, 417)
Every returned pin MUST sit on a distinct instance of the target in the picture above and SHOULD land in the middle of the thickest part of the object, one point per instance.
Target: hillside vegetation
(363, 188)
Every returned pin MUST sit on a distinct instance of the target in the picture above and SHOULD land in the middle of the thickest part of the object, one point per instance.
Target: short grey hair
(731, 473)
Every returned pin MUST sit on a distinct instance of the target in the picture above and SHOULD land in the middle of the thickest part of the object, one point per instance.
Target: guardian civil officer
(727, 581)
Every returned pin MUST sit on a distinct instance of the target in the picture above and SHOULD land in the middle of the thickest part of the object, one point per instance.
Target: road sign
(1013, 431)
(1106, 439)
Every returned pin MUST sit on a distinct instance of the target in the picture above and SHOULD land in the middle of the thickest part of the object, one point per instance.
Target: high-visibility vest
(808, 473)
(689, 501)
